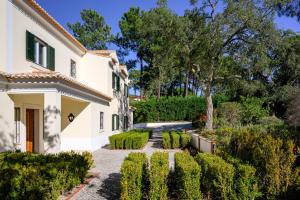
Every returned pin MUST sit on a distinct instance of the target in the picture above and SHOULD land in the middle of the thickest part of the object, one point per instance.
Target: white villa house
(55, 95)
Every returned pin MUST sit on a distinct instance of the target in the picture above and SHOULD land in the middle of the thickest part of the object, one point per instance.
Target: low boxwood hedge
(187, 173)
(175, 139)
(166, 140)
(217, 176)
(133, 176)
(134, 139)
(158, 176)
(38, 176)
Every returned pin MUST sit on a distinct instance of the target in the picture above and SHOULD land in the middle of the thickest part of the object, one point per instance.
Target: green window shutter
(118, 119)
(51, 58)
(113, 80)
(113, 124)
(30, 46)
(118, 83)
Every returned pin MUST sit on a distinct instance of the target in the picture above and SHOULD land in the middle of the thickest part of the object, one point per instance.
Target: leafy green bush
(229, 114)
(272, 157)
(168, 109)
(133, 176)
(166, 142)
(253, 110)
(158, 176)
(217, 176)
(185, 140)
(187, 173)
(37, 176)
(175, 140)
(134, 139)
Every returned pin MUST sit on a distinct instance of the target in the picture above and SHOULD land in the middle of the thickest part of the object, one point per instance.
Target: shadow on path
(110, 187)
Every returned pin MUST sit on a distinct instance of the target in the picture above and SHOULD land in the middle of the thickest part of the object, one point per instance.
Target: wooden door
(29, 129)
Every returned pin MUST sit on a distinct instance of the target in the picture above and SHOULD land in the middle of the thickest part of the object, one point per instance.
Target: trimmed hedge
(158, 176)
(134, 139)
(217, 176)
(168, 109)
(38, 176)
(187, 173)
(166, 140)
(174, 140)
(133, 176)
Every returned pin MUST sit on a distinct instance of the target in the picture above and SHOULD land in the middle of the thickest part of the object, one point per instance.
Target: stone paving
(108, 163)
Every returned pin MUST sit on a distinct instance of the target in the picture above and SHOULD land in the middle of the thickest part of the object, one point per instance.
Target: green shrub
(185, 140)
(272, 157)
(253, 110)
(175, 140)
(158, 176)
(187, 173)
(37, 176)
(166, 140)
(133, 176)
(168, 109)
(217, 176)
(229, 114)
(134, 139)
(245, 180)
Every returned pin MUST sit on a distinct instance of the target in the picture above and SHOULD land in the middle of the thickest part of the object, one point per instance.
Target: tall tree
(243, 30)
(93, 32)
(289, 8)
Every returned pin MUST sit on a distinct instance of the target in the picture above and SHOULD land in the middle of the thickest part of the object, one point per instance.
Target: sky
(65, 11)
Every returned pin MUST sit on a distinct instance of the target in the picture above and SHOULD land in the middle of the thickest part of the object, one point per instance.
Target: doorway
(29, 130)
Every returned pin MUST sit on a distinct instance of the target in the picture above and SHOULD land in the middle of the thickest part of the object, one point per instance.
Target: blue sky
(69, 10)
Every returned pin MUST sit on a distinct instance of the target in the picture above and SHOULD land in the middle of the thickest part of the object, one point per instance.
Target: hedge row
(228, 179)
(38, 176)
(168, 109)
(158, 176)
(133, 176)
(173, 140)
(187, 173)
(134, 139)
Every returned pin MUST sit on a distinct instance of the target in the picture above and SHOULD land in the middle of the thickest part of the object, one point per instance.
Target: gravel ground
(108, 163)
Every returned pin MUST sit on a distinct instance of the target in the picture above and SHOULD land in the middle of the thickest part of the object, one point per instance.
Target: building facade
(55, 95)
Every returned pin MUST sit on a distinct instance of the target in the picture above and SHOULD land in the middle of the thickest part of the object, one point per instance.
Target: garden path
(108, 163)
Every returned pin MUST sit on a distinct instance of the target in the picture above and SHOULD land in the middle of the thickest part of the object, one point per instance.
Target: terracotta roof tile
(44, 75)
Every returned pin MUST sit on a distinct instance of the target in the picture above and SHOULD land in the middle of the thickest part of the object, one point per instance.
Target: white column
(36, 52)
(52, 122)
(44, 57)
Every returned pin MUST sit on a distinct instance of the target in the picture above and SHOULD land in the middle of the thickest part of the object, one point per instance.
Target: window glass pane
(17, 124)
(101, 120)
(73, 69)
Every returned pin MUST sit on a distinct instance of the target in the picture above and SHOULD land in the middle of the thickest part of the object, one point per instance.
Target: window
(115, 122)
(73, 69)
(17, 124)
(125, 90)
(115, 81)
(125, 122)
(101, 120)
(39, 52)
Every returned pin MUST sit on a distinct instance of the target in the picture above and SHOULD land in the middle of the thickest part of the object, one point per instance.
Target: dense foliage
(134, 139)
(133, 176)
(168, 109)
(187, 173)
(175, 139)
(38, 176)
(158, 176)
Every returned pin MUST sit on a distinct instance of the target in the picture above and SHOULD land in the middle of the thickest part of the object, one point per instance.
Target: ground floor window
(17, 124)
(101, 120)
(126, 122)
(115, 122)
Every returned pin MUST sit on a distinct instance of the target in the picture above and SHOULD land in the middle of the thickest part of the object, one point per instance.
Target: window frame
(72, 67)
(115, 81)
(17, 120)
(101, 120)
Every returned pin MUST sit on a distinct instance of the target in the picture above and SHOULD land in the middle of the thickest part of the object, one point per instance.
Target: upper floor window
(115, 81)
(125, 90)
(73, 69)
(39, 52)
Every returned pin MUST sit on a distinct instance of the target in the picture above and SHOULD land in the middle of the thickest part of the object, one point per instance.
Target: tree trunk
(141, 82)
(209, 109)
(186, 85)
